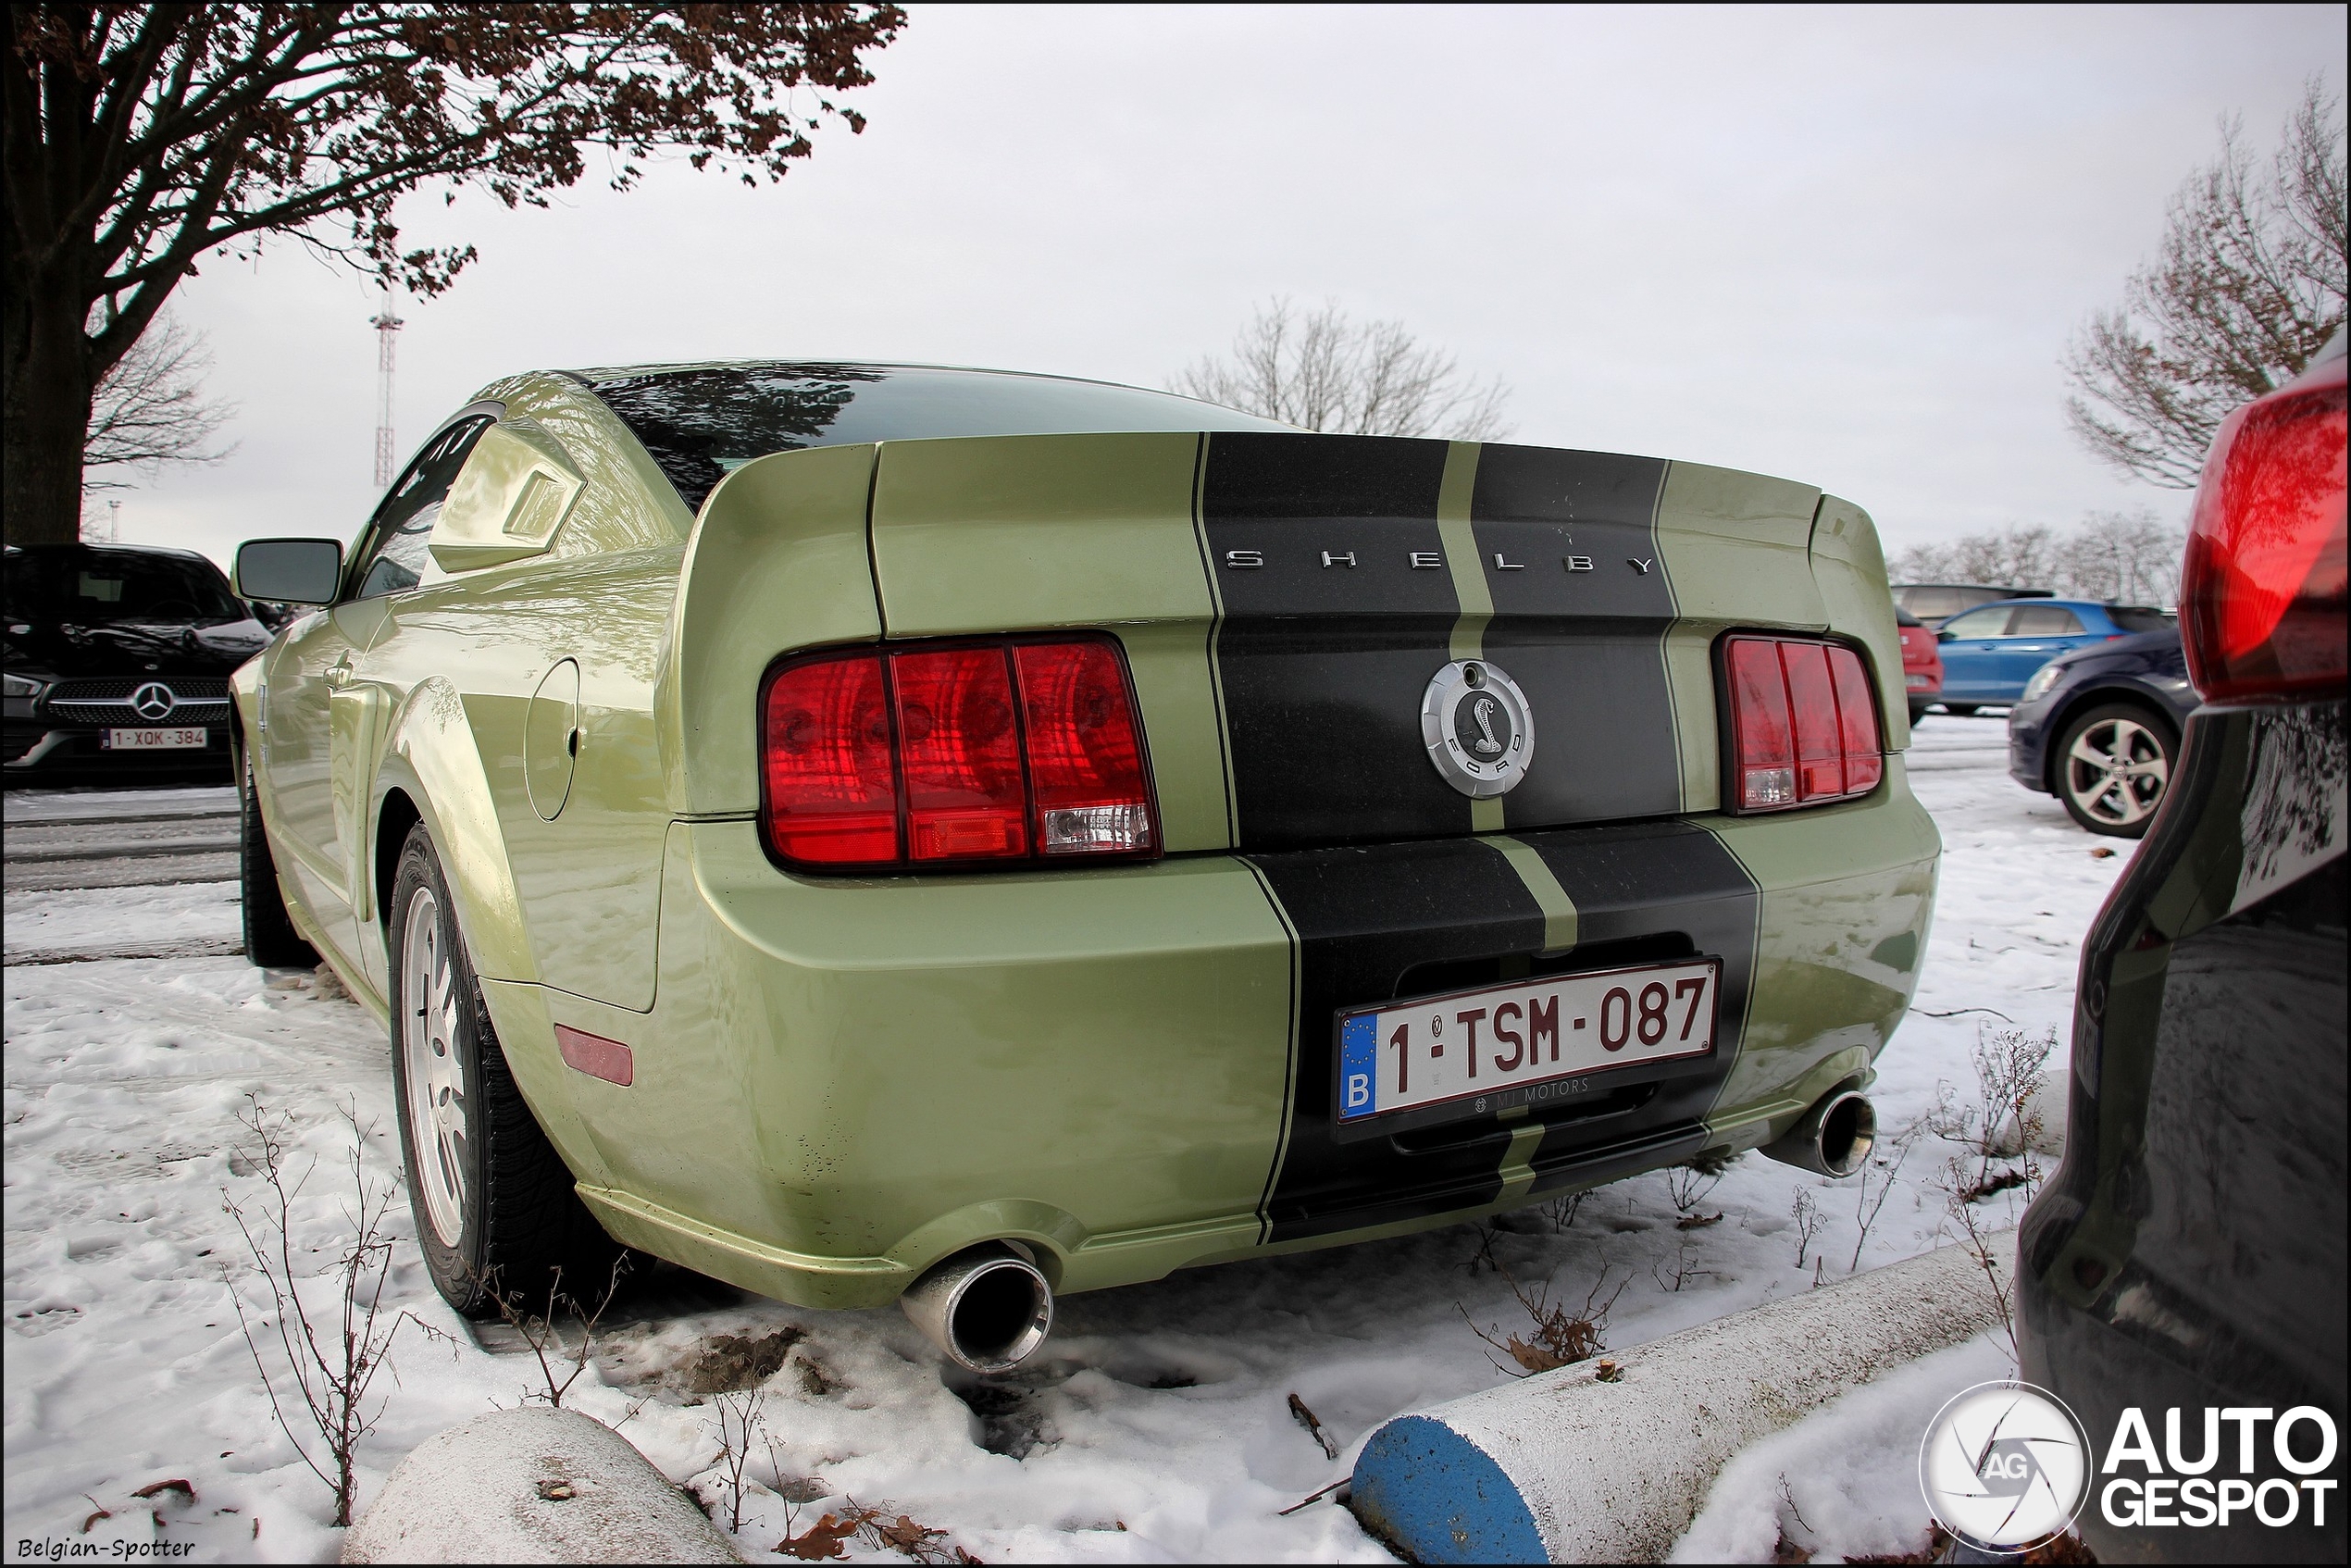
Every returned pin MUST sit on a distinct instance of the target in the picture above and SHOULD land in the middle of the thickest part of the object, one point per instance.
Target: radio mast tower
(386, 324)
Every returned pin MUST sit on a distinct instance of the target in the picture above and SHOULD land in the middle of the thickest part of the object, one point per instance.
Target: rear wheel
(2112, 765)
(271, 940)
(1918, 712)
(495, 1209)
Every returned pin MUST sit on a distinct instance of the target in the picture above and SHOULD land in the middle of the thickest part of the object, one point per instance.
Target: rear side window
(2137, 617)
(2045, 620)
(1932, 603)
(700, 423)
(1993, 622)
(396, 544)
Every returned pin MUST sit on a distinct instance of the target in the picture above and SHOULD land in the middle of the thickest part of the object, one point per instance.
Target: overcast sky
(1845, 246)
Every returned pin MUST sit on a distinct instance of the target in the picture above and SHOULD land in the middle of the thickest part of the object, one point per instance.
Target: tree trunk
(48, 416)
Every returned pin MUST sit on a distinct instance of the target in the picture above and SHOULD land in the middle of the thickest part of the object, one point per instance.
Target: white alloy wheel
(437, 1109)
(2116, 771)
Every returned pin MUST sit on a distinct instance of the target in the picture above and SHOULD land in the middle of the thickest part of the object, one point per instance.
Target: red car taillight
(2261, 592)
(955, 755)
(1802, 725)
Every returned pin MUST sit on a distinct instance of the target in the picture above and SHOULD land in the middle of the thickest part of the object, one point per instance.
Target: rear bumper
(1132, 1068)
(2028, 743)
(2188, 1255)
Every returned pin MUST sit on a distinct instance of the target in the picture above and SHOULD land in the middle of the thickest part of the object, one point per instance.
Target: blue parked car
(1989, 653)
(2100, 728)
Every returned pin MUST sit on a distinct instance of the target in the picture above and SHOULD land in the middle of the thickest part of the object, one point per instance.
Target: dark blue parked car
(1990, 653)
(2100, 728)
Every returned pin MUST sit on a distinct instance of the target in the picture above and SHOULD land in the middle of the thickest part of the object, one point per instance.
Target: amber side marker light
(930, 755)
(1802, 723)
(2261, 591)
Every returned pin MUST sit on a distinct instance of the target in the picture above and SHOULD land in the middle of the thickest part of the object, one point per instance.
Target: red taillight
(968, 753)
(1084, 750)
(2262, 591)
(962, 755)
(1856, 721)
(832, 792)
(1803, 725)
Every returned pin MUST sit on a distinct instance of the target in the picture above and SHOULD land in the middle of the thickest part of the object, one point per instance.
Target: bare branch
(1326, 371)
(150, 409)
(2248, 287)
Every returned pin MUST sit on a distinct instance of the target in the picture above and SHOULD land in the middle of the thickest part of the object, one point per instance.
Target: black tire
(490, 1175)
(271, 940)
(1918, 712)
(1960, 710)
(2116, 796)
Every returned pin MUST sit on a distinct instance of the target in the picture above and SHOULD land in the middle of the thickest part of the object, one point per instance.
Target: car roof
(2102, 605)
(109, 550)
(2001, 589)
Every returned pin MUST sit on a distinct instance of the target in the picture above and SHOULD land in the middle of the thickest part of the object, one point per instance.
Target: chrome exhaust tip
(1832, 1138)
(987, 1307)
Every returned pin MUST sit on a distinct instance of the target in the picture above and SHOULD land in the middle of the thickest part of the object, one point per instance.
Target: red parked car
(1922, 663)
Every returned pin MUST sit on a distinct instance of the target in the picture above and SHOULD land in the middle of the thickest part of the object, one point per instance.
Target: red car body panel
(1921, 658)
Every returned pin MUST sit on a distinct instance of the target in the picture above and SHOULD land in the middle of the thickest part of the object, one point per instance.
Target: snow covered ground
(1155, 1425)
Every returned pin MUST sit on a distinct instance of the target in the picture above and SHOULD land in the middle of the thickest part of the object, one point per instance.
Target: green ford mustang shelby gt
(865, 831)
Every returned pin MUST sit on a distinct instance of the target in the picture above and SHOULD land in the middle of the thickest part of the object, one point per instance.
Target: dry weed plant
(1885, 1159)
(1561, 1336)
(330, 1367)
(1808, 1220)
(1998, 1135)
(540, 1330)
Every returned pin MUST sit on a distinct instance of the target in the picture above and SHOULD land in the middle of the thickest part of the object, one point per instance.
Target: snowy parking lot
(1157, 1425)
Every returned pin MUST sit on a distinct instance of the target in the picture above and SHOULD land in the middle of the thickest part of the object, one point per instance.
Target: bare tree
(2122, 557)
(136, 139)
(2021, 555)
(2248, 286)
(150, 409)
(2125, 557)
(1323, 371)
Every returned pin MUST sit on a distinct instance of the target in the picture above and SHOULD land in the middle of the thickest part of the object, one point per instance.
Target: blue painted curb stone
(1425, 1487)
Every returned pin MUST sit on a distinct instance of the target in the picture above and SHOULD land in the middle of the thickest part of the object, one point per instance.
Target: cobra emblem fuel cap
(1478, 728)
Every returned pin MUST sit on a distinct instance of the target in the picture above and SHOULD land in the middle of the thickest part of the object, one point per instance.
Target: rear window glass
(83, 587)
(2045, 620)
(1933, 602)
(2134, 617)
(700, 423)
(1993, 622)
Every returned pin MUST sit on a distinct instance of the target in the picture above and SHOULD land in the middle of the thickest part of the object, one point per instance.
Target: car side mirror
(1945, 637)
(292, 571)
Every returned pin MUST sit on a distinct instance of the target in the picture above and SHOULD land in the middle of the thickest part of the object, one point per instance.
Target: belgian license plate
(152, 739)
(1499, 1039)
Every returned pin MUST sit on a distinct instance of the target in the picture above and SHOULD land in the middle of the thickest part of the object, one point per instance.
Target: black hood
(65, 649)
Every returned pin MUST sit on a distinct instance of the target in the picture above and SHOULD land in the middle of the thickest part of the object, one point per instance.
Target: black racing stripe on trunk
(1536, 506)
(1656, 883)
(1323, 668)
(1604, 741)
(1586, 646)
(1363, 918)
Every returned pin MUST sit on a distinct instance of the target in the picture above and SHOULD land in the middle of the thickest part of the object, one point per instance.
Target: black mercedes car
(118, 662)
(2181, 1279)
(2100, 728)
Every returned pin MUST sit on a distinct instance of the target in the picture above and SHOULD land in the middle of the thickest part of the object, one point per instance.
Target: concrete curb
(1562, 1467)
